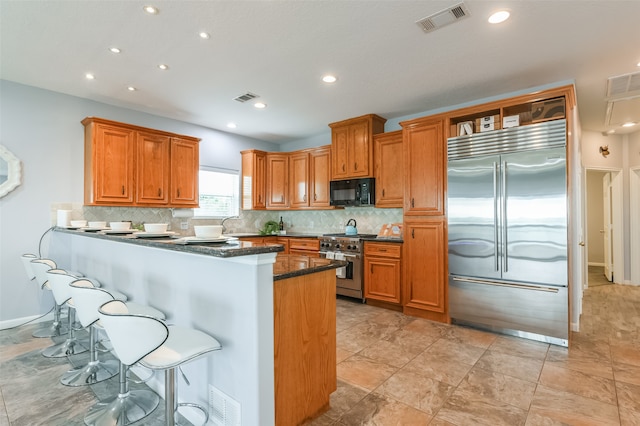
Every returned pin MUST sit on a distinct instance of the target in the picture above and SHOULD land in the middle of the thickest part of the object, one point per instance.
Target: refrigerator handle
(496, 219)
(503, 200)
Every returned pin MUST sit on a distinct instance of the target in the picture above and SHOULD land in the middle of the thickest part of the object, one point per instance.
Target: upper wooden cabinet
(299, 179)
(424, 167)
(128, 165)
(185, 159)
(253, 186)
(277, 181)
(388, 154)
(309, 176)
(352, 146)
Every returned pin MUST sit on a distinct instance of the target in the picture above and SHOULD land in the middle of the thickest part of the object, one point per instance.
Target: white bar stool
(128, 406)
(59, 281)
(40, 267)
(149, 341)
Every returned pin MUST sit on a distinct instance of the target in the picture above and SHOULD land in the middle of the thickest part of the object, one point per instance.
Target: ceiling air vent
(623, 86)
(444, 17)
(623, 99)
(246, 97)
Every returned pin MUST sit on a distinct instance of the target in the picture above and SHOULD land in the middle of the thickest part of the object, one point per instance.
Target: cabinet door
(319, 177)
(152, 168)
(299, 179)
(254, 168)
(277, 181)
(425, 279)
(113, 165)
(388, 154)
(185, 164)
(382, 279)
(339, 143)
(358, 149)
(424, 165)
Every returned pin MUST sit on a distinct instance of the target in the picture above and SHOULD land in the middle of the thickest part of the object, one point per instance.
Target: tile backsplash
(368, 219)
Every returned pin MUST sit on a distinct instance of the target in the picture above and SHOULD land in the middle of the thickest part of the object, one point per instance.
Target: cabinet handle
(384, 250)
(383, 192)
(343, 167)
(122, 189)
(355, 166)
(315, 197)
(412, 203)
(304, 198)
(159, 192)
(282, 198)
(413, 233)
(371, 268)
(259, 198)
(178, 192)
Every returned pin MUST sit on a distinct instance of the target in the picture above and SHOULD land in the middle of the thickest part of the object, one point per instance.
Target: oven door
(349, 278)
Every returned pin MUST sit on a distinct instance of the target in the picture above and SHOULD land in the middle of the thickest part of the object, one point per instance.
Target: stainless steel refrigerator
(507, 221)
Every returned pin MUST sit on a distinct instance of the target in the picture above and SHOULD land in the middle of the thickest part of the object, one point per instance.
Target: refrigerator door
(534, 217)
(474, 240)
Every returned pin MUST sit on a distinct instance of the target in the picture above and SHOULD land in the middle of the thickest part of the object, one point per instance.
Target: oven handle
(324, 254)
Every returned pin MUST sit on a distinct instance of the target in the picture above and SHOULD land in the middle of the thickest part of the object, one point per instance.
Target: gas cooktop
(350, 236)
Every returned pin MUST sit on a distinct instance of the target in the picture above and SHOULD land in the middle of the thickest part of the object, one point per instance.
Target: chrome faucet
(224, 229)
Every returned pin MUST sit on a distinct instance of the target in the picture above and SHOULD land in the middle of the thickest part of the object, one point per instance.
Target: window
(219, 193)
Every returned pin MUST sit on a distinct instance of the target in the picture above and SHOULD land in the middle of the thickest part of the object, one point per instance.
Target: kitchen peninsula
(274, 315)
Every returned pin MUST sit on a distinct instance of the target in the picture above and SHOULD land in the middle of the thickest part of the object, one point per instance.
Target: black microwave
(353, 192)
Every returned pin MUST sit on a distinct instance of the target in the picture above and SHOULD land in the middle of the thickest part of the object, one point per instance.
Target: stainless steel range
(349, 280)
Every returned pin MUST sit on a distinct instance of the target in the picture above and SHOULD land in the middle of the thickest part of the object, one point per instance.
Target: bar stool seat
(40, 266)
(155, 345)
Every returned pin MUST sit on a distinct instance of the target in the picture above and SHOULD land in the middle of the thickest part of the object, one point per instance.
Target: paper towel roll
(63, 217)
(341, 272)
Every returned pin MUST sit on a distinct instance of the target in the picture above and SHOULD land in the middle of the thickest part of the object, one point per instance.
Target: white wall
(43, 130)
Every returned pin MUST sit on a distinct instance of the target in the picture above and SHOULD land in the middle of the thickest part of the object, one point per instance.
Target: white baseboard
(627, 282)
(595, 264)
(20, 321)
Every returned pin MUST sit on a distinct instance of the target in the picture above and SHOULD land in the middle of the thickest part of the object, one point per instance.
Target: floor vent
(246, 97)
(444, 17)
(223, 411)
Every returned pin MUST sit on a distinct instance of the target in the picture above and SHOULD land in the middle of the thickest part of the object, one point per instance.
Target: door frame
(616, 220)
(634, 225)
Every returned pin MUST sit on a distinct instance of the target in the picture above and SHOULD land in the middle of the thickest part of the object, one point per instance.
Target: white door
(606, 226)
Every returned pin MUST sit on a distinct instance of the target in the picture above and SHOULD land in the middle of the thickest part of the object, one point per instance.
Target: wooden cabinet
(382, 271)
(153, 168)
(109, 164)
(425, 268)
(285, 243)
(128, 165)
(352, 146)
(184, 183)
(309, 176)
(253, 186)
(388, 155)
(277, 181)
(320, 176)
(305, 246)
(425, 167)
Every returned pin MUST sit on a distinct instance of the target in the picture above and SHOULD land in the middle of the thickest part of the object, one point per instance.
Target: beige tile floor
(399, 370)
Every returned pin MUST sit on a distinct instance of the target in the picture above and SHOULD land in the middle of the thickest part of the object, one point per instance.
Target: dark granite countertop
(287, 235)
(383, 239)
(289, 266)
(230, 249)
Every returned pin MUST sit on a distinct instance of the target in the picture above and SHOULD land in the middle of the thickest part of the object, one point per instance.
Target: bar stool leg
(71, 346)
(171, 399)
(95, 371)
(55, 329)
(126, 408)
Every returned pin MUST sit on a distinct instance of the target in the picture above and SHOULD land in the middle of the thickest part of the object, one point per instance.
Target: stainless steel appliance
(349, 281)
(507, 221)
(353, 192)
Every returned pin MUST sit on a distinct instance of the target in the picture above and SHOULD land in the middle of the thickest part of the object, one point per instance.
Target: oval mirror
(10, 171)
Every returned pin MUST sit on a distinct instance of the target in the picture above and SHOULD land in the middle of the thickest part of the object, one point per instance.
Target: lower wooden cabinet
(382, 271)
(304, 246)
(425, 268)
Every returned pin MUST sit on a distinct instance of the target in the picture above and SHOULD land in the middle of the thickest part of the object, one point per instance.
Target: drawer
(382, 249)
(304, 244)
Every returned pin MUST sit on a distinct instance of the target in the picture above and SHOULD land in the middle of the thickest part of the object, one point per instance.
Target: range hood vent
(246, 97)
(443, 18)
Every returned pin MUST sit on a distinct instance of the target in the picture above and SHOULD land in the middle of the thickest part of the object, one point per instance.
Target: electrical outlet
(184, 225)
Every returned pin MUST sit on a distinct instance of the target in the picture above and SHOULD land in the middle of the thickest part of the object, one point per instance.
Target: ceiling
(385, 63)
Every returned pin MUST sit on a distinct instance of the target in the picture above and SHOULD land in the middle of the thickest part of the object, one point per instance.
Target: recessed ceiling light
(499, 16)
(204, 35)
(114, 50)
(612, 131)
(329, 79)
(638, 64)
(131, 89)
(260, 105)
(231, 125)
(89, 76)
(151, 10)
(629, 124)
(163, 66)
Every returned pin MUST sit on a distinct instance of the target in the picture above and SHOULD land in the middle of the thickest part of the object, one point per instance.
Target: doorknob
(602, 231)
(581, 243)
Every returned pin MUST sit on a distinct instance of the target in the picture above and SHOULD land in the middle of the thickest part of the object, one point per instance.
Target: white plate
(88, 229)
(199, 240)
(143, 234)
(119, 231)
